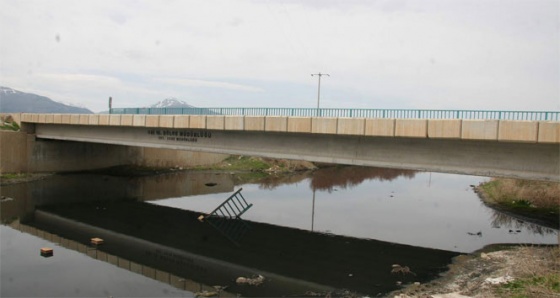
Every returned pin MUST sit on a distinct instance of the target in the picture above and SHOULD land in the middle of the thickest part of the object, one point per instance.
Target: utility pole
(319, 88)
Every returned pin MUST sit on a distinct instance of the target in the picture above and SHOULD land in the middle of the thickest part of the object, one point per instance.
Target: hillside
(14, 101)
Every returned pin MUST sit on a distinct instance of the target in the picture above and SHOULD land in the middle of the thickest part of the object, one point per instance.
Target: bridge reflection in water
(294, 261)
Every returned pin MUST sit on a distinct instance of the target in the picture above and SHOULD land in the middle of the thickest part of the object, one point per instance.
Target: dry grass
(536, 272)
(521, 193)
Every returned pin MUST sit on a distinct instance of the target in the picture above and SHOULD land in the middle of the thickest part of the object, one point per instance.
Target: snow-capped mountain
(14, 101)
(171, 103)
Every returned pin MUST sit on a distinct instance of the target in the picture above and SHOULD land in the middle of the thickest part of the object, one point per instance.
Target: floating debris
(254, 281)
(205, 294)
(46, 252)
(96, 241)
(401, 269)
(499, 280)
(226, 218)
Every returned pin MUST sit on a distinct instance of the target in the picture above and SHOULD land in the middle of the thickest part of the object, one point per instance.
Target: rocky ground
(519, 271)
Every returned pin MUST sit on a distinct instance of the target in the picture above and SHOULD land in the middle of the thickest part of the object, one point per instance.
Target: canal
(347, 231)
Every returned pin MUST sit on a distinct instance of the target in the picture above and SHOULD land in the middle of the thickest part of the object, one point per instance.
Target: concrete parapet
(26, 117)
(479, 130)
(65, 119)
(351, 126)
(324, 125)
(41, 118)
(74, 119)
(126, 120)
(104, 119)
(114, 119)
(254, 123)
(198, 121)
(84, 119)
(380, 127)
(139, 120)
(49, 118)
(152, 120)
(520, 131)
(276, 123)
(215, 122)
(549, 132)
(299, 124)
(35, 118)
(411, 128)
(166, 121)
(93, 120)
(234, 122)
(57, 118)
(181, 121)
(444, 128)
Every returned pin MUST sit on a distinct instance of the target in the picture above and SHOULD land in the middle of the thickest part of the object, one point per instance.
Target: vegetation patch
(537, 200)
(13, 176)
(8, 123)
(9, 126)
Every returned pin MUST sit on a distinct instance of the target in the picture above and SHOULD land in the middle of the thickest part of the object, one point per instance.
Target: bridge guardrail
(350, 113)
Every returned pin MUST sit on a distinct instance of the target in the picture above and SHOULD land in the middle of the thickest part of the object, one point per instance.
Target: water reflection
(339, 176)
(293, 261)
(515, 225)
(309, 231)
(344, 177)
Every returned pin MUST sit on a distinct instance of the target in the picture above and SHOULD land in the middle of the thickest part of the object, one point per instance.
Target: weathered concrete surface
(380, 127)
(276, 124)
(21, 153)
(411, 128)
(480, 130)
(324, 125)
(549, 132)
(13, 152)
(167, 158)
(521, 131)
(485, 158)
(351, 126)
(446, 129)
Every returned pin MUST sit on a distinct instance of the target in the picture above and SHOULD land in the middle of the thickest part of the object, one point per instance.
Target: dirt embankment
(516, 271)
(505, 271)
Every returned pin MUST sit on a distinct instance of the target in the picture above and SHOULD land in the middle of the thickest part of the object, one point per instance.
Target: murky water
(338, 228)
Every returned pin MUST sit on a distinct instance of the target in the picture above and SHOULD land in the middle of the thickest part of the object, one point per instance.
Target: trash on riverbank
(254, 281)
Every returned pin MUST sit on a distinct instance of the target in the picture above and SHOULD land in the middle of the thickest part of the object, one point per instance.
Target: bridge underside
(535, 161)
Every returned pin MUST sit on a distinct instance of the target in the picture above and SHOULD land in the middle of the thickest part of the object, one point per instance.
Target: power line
(319, 87)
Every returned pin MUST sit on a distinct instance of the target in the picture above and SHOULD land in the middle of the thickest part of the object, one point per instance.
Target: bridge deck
(466, 129)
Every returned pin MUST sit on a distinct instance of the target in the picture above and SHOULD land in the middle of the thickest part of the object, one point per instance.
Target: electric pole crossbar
(319, 87)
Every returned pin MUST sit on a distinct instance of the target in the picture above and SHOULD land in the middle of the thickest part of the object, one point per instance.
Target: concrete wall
(166, 158)
(21, 153)
(13, 152)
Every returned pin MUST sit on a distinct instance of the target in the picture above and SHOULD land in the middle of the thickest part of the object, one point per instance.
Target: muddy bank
(496, 271)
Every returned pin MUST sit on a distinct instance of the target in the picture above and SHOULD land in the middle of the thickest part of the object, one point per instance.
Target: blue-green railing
(350, 113)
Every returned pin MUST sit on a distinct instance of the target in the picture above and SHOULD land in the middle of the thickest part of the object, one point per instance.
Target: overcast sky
(449, 54)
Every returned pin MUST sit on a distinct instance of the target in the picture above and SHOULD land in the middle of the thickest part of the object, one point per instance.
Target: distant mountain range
(171, 103)
(14, 101)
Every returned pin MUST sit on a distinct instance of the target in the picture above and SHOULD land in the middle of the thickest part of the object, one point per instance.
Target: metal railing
(350, 113)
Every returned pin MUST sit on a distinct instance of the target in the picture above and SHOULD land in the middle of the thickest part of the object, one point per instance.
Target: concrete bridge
(506, 148)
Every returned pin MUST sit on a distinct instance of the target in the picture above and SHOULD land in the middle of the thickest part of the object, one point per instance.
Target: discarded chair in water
(226, 218)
